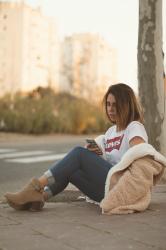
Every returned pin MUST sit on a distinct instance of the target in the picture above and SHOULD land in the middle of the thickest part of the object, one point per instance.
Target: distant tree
(150, 71)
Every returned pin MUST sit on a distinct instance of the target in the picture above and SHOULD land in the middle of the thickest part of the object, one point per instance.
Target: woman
(91, 168)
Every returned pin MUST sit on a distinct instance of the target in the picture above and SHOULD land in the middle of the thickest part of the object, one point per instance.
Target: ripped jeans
(84, 169)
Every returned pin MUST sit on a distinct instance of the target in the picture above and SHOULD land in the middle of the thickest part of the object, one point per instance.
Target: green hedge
(43, 111)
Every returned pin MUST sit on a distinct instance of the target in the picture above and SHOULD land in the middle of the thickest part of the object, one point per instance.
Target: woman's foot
(36, 206)
(32, 192)
(30, 206)
(22, 207)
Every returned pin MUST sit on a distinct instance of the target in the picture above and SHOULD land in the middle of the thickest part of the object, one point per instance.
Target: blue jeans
(84, 169)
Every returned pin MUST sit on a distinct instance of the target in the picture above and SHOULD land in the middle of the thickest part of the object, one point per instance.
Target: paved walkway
(79, 225)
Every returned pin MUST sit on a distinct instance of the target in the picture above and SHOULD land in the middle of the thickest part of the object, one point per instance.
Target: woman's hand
(94, 149)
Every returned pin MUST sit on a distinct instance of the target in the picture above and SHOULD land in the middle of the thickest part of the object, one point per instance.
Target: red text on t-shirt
(114, 143)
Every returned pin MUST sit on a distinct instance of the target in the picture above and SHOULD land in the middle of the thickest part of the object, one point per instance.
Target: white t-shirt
(117, 143)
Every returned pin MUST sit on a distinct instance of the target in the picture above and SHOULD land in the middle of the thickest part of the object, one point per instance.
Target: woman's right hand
(94, 149)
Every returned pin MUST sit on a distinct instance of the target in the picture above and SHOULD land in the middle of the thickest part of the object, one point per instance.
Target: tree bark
(150, 71)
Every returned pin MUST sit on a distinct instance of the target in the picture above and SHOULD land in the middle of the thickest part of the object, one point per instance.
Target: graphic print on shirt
(114, 143)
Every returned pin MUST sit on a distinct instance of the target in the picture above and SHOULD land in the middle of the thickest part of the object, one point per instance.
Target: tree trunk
(150, 71)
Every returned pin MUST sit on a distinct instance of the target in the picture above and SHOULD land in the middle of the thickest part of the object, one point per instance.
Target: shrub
(47, 112)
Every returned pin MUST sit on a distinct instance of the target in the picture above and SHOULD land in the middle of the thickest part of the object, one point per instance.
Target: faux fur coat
(129, 183)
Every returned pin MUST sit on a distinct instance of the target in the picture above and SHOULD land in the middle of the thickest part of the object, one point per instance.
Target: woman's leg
(86, 170)
(83, 168)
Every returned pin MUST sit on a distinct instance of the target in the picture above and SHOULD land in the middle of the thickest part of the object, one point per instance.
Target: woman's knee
(78, 150)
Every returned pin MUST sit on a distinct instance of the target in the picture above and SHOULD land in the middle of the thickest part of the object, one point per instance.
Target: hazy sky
(115, 20)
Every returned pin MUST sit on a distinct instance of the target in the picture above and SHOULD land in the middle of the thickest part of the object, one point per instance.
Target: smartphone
(92, 143)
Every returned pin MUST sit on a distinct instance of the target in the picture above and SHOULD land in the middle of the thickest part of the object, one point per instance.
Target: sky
(115, 20)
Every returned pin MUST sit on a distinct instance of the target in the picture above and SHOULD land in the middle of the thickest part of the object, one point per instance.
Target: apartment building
(88, 65)
(29, 49)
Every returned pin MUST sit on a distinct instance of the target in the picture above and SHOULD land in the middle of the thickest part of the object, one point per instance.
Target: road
(22, 157)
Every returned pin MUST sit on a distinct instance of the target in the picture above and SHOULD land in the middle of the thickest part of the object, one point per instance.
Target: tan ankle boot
(36, 206)
(30, 206)
(32, 192)
(22, 207)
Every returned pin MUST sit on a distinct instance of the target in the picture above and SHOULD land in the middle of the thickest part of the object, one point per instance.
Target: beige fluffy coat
(129, 183)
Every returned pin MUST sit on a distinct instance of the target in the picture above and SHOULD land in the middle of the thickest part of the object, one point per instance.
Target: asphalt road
(22, 157)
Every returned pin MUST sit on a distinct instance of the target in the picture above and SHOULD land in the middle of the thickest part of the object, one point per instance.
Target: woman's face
(111, 108)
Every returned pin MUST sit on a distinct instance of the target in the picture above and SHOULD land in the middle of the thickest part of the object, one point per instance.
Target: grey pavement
(72, 224)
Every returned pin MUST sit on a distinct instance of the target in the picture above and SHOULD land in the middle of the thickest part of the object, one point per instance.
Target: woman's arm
(136, 140)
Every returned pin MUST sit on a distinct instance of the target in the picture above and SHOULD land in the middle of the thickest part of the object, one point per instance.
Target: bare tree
(150, 71)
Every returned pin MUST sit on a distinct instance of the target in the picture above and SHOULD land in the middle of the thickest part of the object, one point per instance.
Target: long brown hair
(127, 106)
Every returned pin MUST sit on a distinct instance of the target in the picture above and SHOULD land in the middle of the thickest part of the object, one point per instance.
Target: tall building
(29, 53)
(88, 65)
